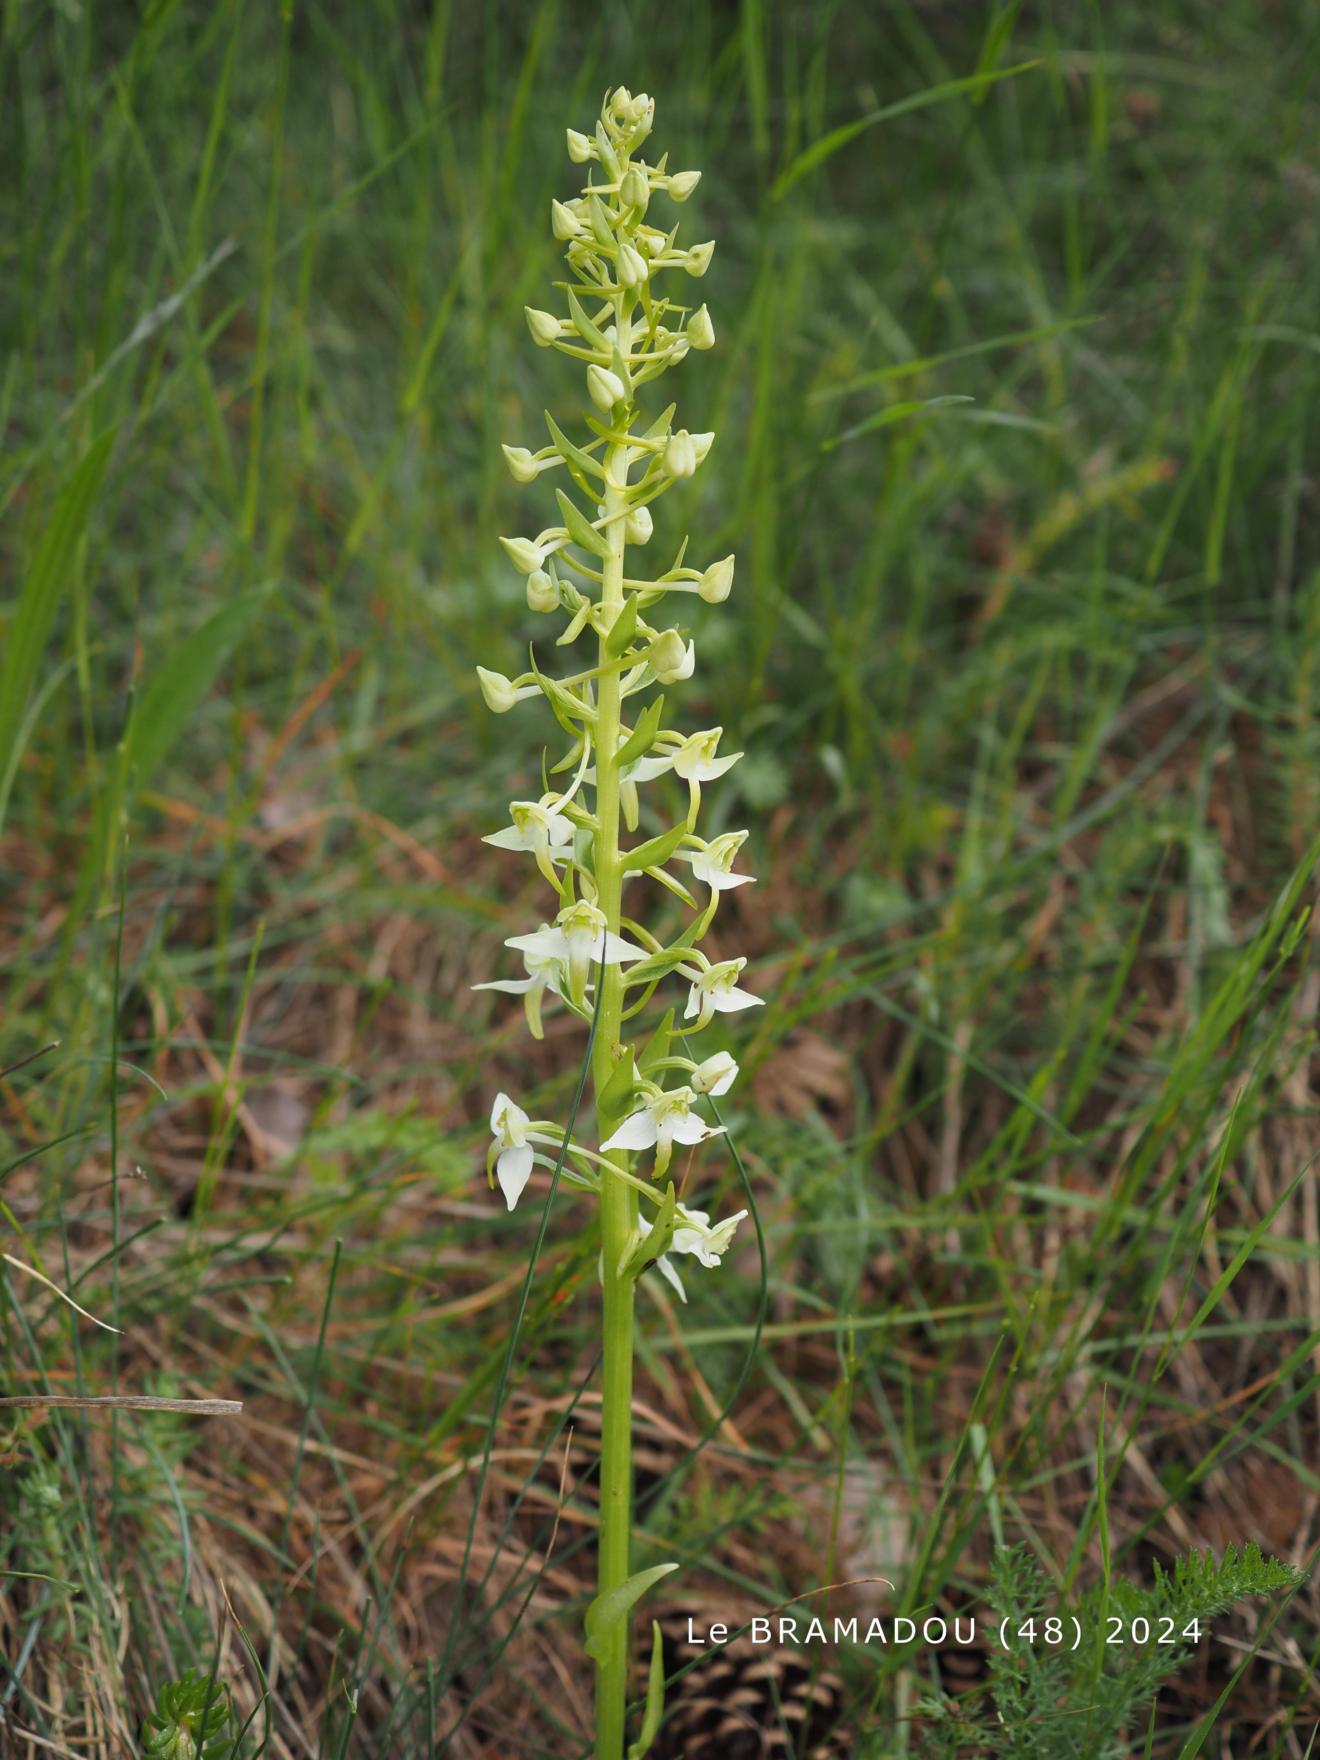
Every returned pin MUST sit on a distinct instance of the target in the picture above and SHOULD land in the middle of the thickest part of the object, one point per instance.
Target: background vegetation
(1028, 686)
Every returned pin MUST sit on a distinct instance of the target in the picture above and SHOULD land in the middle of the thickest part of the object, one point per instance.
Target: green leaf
(615, 1098)
(566, 711)
(574, 454)
(655, 965)
(996, 38)
(660, 1239)
(580, 529)
(893, 412)
(622, 630)
(38, 601)
(642, 737)
(829, 144)
(656, 1047)
(655, 850)
(670, 884)
(606, 153)
(175, 693)
(608, 1611)
(600, 225)
(660, 426)
(655, 1697)
(588, 331)
(31, 716)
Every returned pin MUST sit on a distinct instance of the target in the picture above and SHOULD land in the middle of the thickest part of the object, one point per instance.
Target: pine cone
(746, 1701)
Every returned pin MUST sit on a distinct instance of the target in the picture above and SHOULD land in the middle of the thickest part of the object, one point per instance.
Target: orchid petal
(638, 1131)
(513, 1170)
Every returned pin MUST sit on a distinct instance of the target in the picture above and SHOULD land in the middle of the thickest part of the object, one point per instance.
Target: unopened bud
(680, 454)
(631, 267)
(639, 525)
(542, 594)
(700, 330)
(564, 223)
(697, 260)
(498, 691)
(523, 554)
(682, 184)
(717, 582)
(544, 326)
(670, 658)
(635, 190)
(523, 468)
(606, 388)
(580, 147)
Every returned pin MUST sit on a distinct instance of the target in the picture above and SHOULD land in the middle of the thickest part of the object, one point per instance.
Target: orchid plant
(592, 958)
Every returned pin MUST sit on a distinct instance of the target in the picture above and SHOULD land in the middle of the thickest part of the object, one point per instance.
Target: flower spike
(627, 319)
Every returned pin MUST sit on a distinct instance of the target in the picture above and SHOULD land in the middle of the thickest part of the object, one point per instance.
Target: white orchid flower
(693, 758)
(670, 659)
(712, 862)
(708, 1244)
(716, 1075)
(715, 991)
(542, 974)
(539, 828)
(578, 938)
(663, 1121)
(695, 761)
(512, 1152)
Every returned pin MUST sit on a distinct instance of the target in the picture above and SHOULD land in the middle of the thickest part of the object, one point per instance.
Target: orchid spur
(628, 320)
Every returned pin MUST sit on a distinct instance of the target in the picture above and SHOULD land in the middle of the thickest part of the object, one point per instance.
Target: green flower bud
(604, 151)
(523, 468)
(680, 458)
(498, 691)
(697, 260)
(701, 445)
(564, 223)
(682, 184)
(639, 525)
(544, 326)
(632, 268)
(635, 190)
(671, 659)
(606, 388)
(523, 554)
(717, 582)
(700, 330)
(581, 147)
(542, 594)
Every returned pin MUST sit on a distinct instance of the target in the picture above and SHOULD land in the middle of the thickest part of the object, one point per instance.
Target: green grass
(1028, 688)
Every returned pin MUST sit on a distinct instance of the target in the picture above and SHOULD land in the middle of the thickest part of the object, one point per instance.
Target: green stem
(618, 1201)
